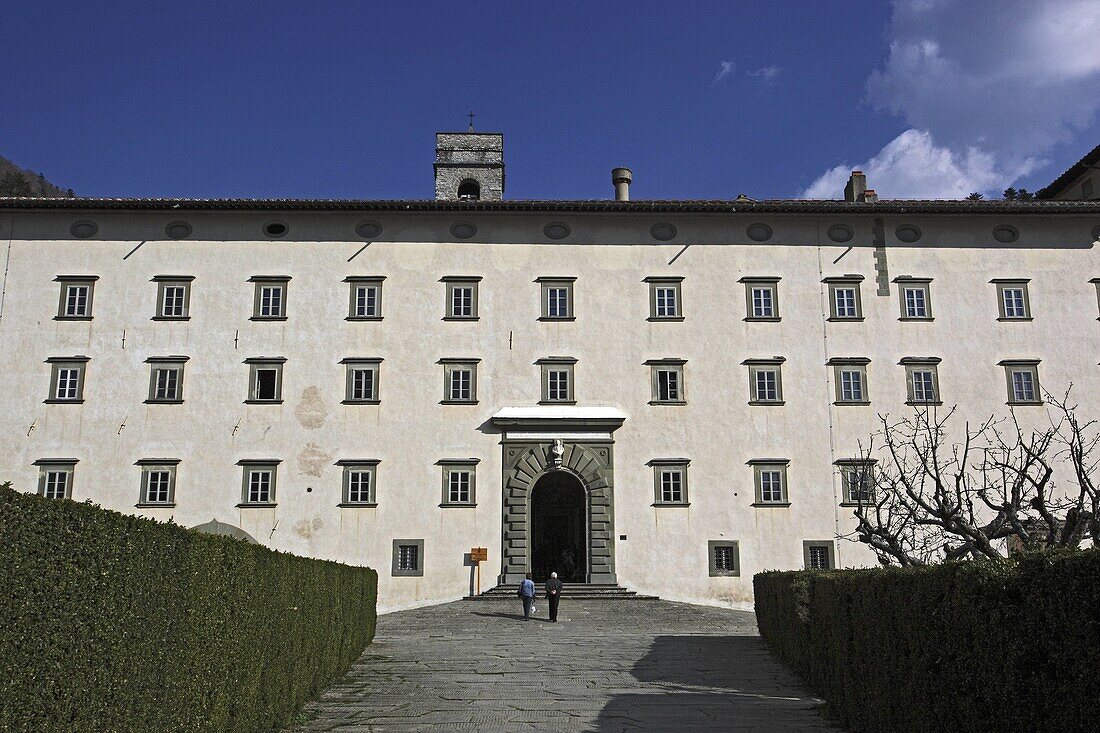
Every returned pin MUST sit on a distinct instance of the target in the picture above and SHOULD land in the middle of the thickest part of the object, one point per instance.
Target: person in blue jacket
(527, 595)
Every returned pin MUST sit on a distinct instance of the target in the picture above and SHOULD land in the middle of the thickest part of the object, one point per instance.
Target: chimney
(622, 177)
(870, 196)
(856, 188)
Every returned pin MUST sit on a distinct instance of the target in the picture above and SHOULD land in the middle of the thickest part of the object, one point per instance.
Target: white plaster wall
(665, 550)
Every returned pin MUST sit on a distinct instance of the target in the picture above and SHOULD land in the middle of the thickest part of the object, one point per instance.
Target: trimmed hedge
(112, 623)
(976, 646)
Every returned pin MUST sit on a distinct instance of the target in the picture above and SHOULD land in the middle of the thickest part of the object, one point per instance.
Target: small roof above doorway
(558, 421)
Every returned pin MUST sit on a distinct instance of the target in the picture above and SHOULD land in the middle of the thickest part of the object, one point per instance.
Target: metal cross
(471, 116)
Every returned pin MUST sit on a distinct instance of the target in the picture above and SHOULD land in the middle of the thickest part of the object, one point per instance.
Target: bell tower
(469, 166)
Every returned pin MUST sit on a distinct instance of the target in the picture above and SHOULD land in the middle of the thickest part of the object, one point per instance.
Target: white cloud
(996, 84)
(726, 68)
(767, 74)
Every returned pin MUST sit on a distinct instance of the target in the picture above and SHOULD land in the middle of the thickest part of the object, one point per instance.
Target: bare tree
(927, 499)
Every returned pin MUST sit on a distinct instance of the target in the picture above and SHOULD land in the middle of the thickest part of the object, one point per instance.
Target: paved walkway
(605, 666)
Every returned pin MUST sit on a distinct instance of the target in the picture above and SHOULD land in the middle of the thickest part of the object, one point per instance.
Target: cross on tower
(471, 116)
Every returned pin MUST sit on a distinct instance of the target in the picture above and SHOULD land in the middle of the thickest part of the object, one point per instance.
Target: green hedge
(112, 623)
(977, 646)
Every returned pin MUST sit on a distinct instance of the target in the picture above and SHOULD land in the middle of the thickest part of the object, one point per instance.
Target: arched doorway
(558, 532)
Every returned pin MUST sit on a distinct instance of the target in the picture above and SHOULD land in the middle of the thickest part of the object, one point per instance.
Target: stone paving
(605, 666)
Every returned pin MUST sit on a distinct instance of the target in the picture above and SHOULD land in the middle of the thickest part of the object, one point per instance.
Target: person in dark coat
(553, 595)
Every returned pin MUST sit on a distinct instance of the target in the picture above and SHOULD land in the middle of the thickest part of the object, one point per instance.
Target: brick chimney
(856, 188)
(870, 196)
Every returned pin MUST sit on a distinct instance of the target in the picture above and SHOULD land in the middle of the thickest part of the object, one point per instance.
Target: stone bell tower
(469, 166)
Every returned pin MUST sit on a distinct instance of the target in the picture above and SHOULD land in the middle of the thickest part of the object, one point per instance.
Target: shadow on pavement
(712, 683)
(502, 615)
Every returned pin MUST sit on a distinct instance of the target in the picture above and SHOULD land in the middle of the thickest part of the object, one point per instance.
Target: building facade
(666, 395)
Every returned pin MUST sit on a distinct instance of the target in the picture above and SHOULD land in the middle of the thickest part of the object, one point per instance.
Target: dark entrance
(558, 533)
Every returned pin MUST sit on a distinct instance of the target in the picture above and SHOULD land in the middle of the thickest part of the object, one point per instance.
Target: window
(667, 381)
(850, 377)
(1023, 381)
(166, 378)
(158, 481)
(670, 486)
(459, 481)
(67, 378)
(459, 380)
(844, 299)
(818, 554)
(259, 482)
(725, 558)
(76, 297)
(408, 558)
(857, 481)
(173, 297)
(1013, 301)
(55, 477)
(366, 298)
(761, 298)
(770, 478)
(765, 381)
(359, 481)
(265, 379)
(270, 299)
(557, 379)
(461, 298)
(469, 190)
(361, 383)
(664, 299)
(916, 305)
(557, 298)
(922, 380)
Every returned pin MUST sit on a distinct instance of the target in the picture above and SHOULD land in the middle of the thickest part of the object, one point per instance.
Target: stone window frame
(761, 283)
(257, 364)
(396, 571)
(58, 363)
(557, 364)
(75, 281)
(674, 366)
(662, 466)
(364, 281)
(1005, 284)
(665, 282)
(845, 282)
(454, 466)
(922, 284)
(712, 558)
(250, 465)
(164, 282)
(1026, 366)
(774, 364)
(57, 466)
(149, 466)
(849, 364)
(546, 284)
(864, 468)
(451, 365)
(266, 281)
(454, 282)
(914, 364)
(349, 466)
(158, 363)
(353, 364)
(830, 548)
(759, 467)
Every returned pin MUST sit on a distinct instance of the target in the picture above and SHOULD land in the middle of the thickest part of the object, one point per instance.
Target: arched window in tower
(469, 190)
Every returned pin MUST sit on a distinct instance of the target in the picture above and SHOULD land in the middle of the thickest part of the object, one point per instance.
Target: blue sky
(700, 99)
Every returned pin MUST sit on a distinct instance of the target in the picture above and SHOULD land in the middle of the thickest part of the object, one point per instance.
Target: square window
(670, 484)
(850, 378)
(557, 298)
(844, 299)
(857, 482)
(158, 481)
(166, 379)
(667, 381)
(55, 477)
(358, 483)
(459, 380)
(265, 380)
(770, 479)
(461, 298)
(761, 298)
(1023, 382)
(361, 384)
(365, 302)
(76, 297)
(408, 558)
(270, 299)
(765, 381)
(1013, 300)
(922, 381)
(173, 297)
(916, 305)
(259, 479)
(67, 378)
(725, 558)
(459, 482)
(664, 299)
(557, 380)
(818, 554)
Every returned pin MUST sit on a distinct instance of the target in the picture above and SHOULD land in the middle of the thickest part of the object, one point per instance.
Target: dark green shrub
(112, 623)
(977, 646)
